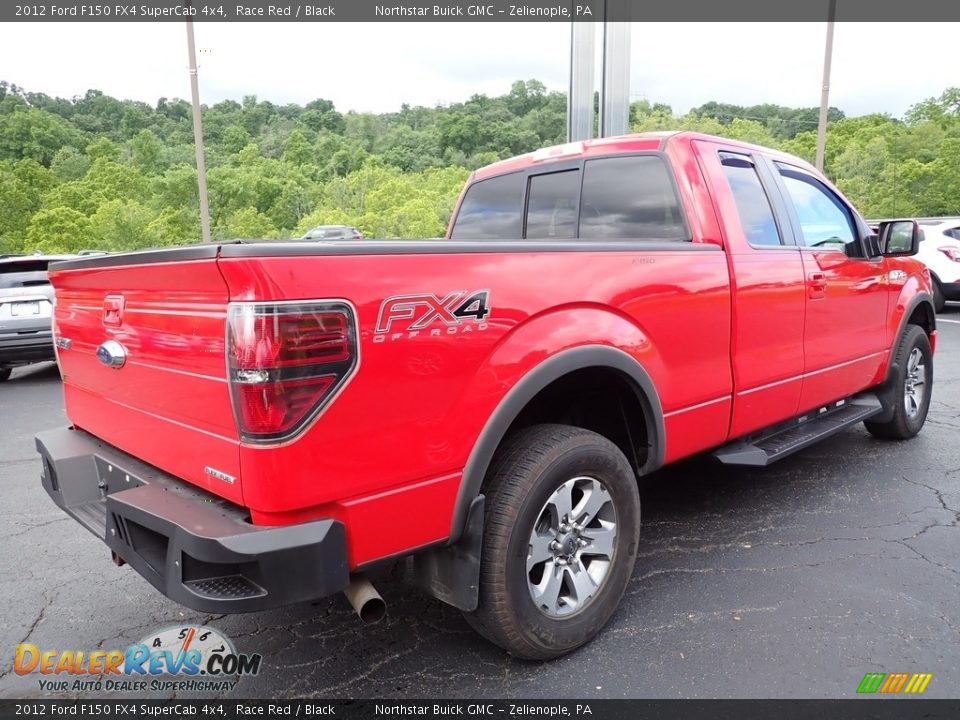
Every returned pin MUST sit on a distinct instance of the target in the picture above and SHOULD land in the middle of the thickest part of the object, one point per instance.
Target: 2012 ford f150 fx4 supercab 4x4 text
(256, 424)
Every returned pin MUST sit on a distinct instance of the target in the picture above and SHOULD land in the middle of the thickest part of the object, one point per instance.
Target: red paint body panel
(729, 337)
(169, 404)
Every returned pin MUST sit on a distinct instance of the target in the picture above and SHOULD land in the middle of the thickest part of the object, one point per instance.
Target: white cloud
(377, 66)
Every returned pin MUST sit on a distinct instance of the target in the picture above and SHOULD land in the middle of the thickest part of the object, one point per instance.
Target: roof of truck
(598, 146)
(635, 142)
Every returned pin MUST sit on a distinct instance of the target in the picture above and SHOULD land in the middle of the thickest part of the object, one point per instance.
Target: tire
(939, 301)
(535, 467)
(5, 374)
(913, 369)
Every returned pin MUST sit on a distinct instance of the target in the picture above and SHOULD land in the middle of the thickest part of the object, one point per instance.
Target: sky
(376, 67)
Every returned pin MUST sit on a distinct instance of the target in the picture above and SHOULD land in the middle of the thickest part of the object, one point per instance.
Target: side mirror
(899, 238)
(873, 245)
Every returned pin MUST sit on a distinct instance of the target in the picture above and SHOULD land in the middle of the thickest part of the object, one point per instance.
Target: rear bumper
(18, 348)
(194, 547)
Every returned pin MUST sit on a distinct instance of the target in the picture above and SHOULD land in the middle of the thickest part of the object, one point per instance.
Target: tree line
(95, 172)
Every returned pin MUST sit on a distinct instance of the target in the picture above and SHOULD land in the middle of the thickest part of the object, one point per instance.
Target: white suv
(940, 252)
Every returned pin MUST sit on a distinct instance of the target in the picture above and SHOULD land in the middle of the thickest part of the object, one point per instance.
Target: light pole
(198, 132)
(825, 90)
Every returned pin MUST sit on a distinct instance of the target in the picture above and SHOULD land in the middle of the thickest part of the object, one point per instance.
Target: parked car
(940, 252)
(333, 232)
(484, 403)
(26, 301)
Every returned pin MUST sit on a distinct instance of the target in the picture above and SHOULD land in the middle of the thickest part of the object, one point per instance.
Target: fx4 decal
(406, 316)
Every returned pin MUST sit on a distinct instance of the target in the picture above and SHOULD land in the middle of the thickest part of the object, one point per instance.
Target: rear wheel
(561, 529)
(5, 374)
(910, 389)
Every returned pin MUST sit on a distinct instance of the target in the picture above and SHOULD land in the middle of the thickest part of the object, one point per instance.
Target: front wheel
(911, 387)
(561, 528)
(5, 374)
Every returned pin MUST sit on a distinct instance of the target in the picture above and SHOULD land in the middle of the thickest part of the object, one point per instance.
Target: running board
(799, 433)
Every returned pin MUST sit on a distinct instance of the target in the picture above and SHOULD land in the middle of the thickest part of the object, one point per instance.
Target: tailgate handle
(113, 309)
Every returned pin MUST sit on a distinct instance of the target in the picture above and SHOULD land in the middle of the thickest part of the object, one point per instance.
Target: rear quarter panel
(392, 447)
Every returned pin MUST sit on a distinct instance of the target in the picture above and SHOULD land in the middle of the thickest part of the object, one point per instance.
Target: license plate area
(25, 309)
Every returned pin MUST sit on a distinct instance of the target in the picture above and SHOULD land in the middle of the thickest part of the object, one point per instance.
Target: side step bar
(797, 434)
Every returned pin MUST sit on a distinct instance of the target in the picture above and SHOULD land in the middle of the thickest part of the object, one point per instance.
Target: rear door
(768, 283)
(847, 293)
(168, 403)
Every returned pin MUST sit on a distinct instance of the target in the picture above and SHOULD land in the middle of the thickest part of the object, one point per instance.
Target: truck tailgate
(168, 403)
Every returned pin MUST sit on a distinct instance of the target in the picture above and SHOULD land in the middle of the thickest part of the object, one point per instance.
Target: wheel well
(923, 316)
(600, 399)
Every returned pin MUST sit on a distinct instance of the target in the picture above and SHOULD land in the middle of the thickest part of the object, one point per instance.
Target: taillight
(285, 362)
(951, 252)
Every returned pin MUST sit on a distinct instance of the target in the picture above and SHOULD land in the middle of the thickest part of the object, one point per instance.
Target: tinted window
(491, 209)
(629, 198)
(753, 205)
(23, 274)
(552, 205)
(953, 232)
(824, 219)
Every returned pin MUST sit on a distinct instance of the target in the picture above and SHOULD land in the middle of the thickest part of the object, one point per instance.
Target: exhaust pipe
(365, 599)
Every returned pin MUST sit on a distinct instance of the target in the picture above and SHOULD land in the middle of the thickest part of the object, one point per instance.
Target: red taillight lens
(951, 252)
(285, 362)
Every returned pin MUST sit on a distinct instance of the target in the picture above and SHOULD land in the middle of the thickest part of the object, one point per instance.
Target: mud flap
(452, 573)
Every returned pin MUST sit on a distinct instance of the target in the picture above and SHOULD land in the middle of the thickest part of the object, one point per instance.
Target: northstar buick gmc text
(255, 424)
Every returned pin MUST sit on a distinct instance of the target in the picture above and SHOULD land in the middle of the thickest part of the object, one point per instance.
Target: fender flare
(915, 302)
(510, 406)
(884, 390)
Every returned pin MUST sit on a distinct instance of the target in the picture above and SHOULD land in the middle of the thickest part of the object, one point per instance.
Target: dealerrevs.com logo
(175, 658)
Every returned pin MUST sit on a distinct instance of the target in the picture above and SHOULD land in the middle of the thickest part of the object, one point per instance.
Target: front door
(846, 302)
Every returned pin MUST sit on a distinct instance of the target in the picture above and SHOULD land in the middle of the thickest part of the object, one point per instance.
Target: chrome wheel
(571, 547)
(914, 386)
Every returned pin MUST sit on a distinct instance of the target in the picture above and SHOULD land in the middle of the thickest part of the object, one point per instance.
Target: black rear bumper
(194, 547)
(26, 347)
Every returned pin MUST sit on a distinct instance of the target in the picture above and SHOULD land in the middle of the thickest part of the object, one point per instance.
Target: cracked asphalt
(791, 581)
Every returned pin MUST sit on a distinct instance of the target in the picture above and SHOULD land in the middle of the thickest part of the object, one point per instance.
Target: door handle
(817, 285)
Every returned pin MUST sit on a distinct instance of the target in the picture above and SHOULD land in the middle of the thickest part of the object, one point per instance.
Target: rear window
(617, 198)
(552, 207)
(627, 198)
(753, 205)
(492, 209)
(23, 274)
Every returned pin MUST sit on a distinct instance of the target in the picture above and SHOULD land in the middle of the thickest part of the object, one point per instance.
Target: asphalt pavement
(790, 581)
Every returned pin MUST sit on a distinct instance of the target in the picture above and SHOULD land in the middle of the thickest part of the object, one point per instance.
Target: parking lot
(788, 581)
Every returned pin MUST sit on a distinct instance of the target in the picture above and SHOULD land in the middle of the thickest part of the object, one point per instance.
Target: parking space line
(955, 322)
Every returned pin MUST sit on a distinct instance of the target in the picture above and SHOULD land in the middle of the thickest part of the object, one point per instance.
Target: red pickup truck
(256, 424)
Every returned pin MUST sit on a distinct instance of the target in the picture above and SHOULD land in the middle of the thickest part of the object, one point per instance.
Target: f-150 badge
(407, 316)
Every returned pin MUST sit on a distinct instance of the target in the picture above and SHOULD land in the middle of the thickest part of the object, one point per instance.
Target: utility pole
(615, 78)
(198, 132)
(615, 92)
(825, 90)
(580, 95)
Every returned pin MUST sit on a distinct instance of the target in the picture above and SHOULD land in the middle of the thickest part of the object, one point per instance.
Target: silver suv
(26, 308)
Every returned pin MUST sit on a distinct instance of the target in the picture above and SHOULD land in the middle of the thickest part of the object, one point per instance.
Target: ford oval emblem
(112, 354)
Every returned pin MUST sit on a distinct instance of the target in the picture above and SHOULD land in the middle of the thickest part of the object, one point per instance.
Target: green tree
(120, 225)
(146, 152)
(58, 230)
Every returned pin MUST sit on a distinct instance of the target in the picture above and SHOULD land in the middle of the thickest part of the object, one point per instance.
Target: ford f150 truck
(255, 424)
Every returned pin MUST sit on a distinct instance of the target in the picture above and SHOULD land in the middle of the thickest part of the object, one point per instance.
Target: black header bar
(853, 709)
(481, 11)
